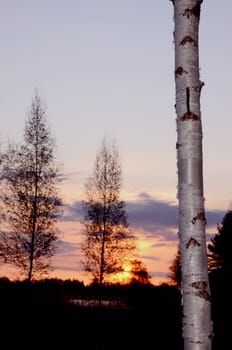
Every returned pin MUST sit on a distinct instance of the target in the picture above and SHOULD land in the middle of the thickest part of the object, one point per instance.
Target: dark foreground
(41, 317)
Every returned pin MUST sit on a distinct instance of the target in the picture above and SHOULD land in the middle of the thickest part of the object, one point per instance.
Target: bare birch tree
(30, 197)
(196, 298)
(108, 239)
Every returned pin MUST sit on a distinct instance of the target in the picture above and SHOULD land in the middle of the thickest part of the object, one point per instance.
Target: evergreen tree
(175, 270)
(220, 256)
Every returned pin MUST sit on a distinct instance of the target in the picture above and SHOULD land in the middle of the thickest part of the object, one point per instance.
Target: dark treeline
(42, 315)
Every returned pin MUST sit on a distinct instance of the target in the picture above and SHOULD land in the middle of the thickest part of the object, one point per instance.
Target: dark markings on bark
(188, 115)
(188, 39)
(180, 71)
(188, 100)
(195, 11)
(201, 287)
(178, 145)
(192, 242)
(200, 216)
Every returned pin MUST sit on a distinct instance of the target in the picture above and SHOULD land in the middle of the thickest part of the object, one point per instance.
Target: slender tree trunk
(34, 219)
(196, 299)
(31, 259)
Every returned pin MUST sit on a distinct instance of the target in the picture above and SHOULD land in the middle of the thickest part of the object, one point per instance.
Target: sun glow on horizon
(125, 275)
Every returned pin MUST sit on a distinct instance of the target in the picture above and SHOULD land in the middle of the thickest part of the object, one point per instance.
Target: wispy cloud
(69, 249)
(153, 216)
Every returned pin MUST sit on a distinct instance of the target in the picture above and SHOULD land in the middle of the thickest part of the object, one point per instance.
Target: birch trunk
(196, 299)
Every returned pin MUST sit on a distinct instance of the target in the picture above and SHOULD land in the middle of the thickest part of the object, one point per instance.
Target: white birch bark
(196, 299)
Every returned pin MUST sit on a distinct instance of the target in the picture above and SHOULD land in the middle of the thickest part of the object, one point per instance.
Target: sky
(106, 67)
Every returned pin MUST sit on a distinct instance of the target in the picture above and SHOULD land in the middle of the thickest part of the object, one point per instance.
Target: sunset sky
(105, 67)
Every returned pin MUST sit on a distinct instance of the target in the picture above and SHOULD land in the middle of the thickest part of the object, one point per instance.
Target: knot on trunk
(192, 242)
(188, 39)
(202, 291)
(180, 71)
(189, 116)
(199, 216)
(195, 11)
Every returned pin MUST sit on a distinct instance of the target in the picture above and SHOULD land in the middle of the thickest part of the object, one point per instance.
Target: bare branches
(108, 238)
(30, 198)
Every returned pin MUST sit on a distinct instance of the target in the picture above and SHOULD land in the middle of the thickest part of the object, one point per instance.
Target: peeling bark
(196, 299)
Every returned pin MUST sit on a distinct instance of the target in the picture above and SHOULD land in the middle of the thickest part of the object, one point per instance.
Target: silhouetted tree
(30, 197)
(108, 239)
(139, 272)
(175, 270)
(220, 256)
(197, 328)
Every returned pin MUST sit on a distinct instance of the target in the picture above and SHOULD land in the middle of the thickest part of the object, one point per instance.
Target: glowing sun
(125, 275)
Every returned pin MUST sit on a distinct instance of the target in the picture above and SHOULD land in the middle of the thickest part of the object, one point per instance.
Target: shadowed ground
(42, 316)
(40, 321)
